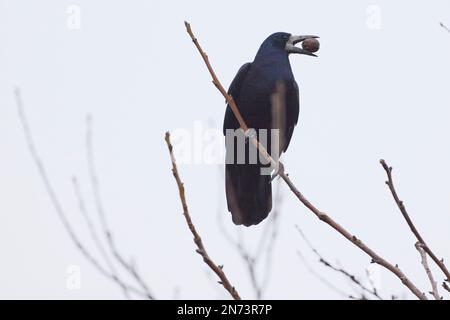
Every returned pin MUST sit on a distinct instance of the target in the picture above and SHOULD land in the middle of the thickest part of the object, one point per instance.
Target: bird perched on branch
(266, 94)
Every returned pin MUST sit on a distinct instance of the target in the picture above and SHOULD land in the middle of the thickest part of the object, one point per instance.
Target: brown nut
(311, 44)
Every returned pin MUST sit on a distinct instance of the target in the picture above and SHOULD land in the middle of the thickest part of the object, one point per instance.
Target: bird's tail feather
(249, 194)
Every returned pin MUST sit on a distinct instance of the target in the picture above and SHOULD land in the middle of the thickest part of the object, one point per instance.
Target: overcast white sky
(379, 89)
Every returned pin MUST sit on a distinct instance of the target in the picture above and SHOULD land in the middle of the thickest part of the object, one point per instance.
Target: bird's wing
(234, 90)
(293, 107)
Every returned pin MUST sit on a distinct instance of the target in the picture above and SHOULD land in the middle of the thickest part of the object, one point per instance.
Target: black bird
(249, 193)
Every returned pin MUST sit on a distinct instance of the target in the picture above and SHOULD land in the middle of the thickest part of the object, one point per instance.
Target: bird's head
(286, 41)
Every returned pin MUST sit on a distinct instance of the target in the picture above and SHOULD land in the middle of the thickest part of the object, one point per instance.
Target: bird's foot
(279, 170)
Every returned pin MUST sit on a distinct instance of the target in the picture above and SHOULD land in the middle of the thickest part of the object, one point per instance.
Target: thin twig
(357, 242)
(264, 249)
(273, 236)
(319, 214)
(218, 270)
(339, 270)
(401, 206)
(128, 266)
(434, 290)
(371, 281)
(251, 263)
(321, 278)
(92, 231)
(444, 26)
(57, 203)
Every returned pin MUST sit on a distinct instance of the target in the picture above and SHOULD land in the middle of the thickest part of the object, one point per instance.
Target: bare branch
(264, 249)
(92, 231)
(401, 206)
(444, 27)
(339, 270)
(321, 278)
(357, 242)
(372, 283)
(251, 263)
(58, 206)
(218, 270)
(273, 236)
(423, 255)
(319, 214)
(128, 266)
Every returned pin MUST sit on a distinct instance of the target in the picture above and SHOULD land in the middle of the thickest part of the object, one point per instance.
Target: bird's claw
(278, 172)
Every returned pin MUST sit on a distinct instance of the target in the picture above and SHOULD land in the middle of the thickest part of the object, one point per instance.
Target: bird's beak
(293, 40)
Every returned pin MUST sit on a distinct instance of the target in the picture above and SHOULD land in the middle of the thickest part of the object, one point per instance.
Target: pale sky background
(372, 93)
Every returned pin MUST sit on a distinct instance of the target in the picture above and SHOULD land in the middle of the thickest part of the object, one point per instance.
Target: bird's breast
(255, 99)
